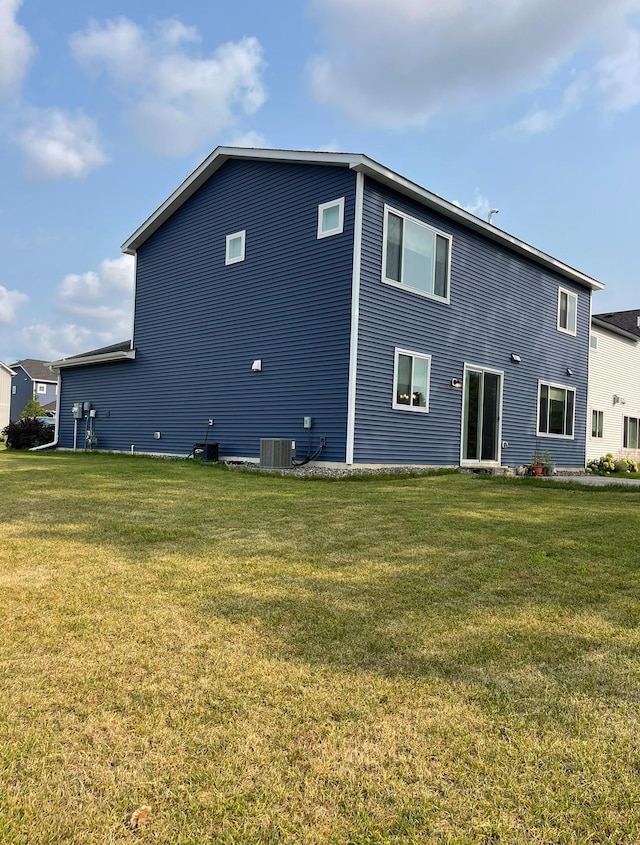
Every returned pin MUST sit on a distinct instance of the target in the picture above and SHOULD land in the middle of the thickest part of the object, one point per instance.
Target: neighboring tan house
(324, 299)
(6, 374)
(32, 380)
(614, 386)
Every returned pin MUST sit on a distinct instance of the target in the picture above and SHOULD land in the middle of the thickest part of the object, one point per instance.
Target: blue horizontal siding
(199, 324)
(500, 302)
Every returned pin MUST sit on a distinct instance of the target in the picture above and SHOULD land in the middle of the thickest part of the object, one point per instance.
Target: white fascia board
(214, 162)
(448, 209)
(602, 324)
(105, 358)
(8, 369)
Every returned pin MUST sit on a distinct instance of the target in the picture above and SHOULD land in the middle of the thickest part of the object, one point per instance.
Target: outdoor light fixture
(456, 382)
(515, 358)
(256, 367)
(569, 371)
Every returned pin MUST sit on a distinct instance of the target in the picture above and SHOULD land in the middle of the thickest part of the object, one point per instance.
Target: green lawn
(438, 659)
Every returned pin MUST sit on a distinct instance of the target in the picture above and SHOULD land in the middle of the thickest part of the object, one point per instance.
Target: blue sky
(529, 106)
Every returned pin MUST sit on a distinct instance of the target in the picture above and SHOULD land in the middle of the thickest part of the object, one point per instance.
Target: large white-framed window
(411, 378)
(41, 388)
(235, 247)
(631, 430)
(567, 311)
(415, 256)
(331, 218)
(597, 423)
(556, 410)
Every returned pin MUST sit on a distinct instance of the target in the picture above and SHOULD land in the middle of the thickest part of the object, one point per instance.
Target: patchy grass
(262, 659)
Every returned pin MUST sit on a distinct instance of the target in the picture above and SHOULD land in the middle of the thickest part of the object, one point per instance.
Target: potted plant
(537, 464)
(547, 463)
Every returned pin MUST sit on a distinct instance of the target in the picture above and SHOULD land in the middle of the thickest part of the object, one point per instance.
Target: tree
(33, 409)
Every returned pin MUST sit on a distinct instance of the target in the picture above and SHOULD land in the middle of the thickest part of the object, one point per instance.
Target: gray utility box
(276, 453)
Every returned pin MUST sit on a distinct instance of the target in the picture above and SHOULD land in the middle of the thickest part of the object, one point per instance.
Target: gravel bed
(339, 472)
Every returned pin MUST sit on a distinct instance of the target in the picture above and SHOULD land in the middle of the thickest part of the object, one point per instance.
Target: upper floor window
(41, 388)
(411, 381)
(331, 218)
(556, 407)
(593, 341)
(235, 247)
(415, 255)
(567, 311)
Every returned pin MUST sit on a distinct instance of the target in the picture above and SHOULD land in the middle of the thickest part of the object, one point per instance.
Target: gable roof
(115, 352)
(361, 164)
(7, 368)
(36, 370)
(626, 321)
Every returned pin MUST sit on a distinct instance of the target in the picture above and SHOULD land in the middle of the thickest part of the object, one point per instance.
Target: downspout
(355, 318)
(56, 431)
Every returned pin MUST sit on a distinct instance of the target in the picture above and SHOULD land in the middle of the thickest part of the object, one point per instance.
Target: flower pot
(537, 470)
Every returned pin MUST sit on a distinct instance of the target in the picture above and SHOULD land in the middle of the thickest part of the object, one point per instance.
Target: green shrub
(27, 433)
(608, 464)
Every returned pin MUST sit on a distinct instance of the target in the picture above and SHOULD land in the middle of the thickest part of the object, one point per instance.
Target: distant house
(614, 385)
(6, 374)
(32, 380)
(325, 299)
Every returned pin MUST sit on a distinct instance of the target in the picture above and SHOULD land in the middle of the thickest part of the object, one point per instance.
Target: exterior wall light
(256, 367)
(515, 358)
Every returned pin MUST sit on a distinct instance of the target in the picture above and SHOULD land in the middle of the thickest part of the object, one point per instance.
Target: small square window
(235, 247)
(42, 388)
(567, 311)
(331, 218)
(412, 374)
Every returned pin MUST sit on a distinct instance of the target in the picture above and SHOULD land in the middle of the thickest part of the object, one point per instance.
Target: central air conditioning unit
(276, 453)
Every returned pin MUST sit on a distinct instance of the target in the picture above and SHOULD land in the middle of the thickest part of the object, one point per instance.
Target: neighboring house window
(631, 427)
(415, 255)
(597, 423)
(556, 405)
(331, 218)
(593, 342)
(14, 389)
(567, 310)
(235, 247)
(411, 381)
(42, 388)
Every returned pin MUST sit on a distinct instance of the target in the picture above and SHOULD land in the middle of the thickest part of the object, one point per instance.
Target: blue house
(322, 298)
(32, 379)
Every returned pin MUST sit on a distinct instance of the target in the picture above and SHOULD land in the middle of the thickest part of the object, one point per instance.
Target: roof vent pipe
(491, 213)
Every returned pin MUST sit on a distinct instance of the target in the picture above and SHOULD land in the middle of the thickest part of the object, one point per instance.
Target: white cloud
(60, 145)
(10, 301)
(395, 63)
(177, 101)
(16, 48)
(95, 308)
(248, 139)
(540, 121)
(619, 73)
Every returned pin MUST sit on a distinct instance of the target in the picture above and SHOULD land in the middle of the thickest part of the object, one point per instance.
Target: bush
(608, 464)
(27, 433)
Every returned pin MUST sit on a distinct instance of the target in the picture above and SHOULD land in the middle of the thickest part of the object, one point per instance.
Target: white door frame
(480, 463)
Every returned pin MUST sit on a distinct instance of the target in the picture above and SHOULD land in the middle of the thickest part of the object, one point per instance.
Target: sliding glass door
(481, 415)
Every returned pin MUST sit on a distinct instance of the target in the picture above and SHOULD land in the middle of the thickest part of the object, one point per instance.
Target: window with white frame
(630, 433)
(41, 388)
(412, 373)
(556, 409)
(593, 341)
(567, 311)
(330, 218)
(597, 423)
(415, 256)
(235, 247)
